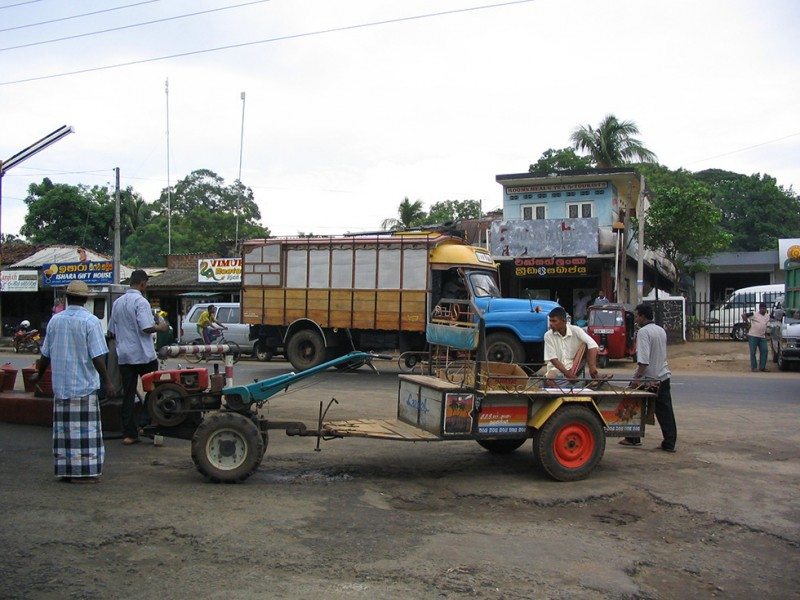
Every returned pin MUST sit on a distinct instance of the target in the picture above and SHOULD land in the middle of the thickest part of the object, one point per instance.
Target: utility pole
(169, 191)
(116, 229)
(640, 216)
(239, 196)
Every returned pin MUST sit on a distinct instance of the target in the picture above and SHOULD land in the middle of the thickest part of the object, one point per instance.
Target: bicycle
(217, 338)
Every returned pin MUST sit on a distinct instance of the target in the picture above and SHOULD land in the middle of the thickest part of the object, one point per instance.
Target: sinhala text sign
(90, 272)
(19, 281)
(219, 270)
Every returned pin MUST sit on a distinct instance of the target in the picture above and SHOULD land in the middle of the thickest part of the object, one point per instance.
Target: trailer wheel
(306, 349)
(502, 446)
(504, 347)
(570, 444)
(227, 447)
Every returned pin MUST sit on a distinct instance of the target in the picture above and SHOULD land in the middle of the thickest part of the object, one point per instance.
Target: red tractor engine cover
(192, 380)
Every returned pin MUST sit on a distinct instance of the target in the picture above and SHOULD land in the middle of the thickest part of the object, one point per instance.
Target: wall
(603, 201)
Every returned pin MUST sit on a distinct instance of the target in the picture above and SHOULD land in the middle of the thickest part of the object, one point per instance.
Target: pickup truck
(784, 333)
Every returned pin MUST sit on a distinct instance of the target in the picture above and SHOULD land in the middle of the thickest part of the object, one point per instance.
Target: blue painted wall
(602, 201)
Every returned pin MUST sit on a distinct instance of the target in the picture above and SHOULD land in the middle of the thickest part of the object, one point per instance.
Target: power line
(270, 40)
(143, 23)
(19, 4)
(89, 14)
(786, 137)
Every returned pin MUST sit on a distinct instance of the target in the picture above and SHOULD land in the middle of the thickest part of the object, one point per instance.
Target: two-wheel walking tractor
(498, 405)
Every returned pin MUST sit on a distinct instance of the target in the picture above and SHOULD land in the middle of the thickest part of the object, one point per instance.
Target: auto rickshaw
(613, 327)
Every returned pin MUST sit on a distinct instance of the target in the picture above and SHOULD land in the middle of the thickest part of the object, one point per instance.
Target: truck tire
(306, 349)
(504, 347)
(227, 447)
(262, 352)
(570, 444)
(502, 446)
(739, 332)
(783, 365)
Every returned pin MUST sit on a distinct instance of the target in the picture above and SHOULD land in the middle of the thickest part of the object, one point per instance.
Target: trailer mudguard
(545, 412)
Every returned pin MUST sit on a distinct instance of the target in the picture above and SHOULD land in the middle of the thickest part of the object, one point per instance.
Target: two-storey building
(573, 233)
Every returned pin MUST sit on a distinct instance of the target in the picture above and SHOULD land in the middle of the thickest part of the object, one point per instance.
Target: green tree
(409, 214)
(612, 144)
(453, 210)
(684, 225)
(756, 210)
(203, 214)
(553, 161)
(59, 213)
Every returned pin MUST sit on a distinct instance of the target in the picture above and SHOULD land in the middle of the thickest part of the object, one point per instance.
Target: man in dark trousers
(131, 324)
(651, 358)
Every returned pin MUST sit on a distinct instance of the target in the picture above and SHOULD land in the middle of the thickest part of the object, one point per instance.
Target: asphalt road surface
(372, 519)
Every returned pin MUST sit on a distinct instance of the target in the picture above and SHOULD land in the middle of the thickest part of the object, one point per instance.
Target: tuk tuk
(613, 327)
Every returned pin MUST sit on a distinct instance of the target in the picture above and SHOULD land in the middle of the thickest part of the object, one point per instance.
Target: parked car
(229, 315)
(727, 319)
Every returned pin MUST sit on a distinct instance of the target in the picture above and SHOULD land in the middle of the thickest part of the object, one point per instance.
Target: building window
(556, 194)
(514, 197)
(599, 192)
(528, 196)
(579, 210)
(532, 212)
(570, 193)
(584, 192)
(541, 195)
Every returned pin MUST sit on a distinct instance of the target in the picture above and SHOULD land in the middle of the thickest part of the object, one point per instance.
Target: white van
(727, 319)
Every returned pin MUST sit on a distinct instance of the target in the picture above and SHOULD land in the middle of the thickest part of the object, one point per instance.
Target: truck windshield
(483, 285)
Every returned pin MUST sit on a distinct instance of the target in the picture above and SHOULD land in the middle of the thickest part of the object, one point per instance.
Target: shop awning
(200, 294)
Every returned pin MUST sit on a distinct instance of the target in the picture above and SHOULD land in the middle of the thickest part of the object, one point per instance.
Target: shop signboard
(91, 272)
(19, 281)
(562, 266)
(219, 270)
(544, 237)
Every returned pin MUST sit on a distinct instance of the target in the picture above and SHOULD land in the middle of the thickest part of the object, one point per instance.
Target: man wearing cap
(131, 324)
(75, 348)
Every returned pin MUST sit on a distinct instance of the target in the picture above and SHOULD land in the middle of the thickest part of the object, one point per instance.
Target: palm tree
(611, 144)
(410, 214)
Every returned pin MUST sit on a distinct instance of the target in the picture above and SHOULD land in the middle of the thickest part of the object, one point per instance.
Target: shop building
(573, 233)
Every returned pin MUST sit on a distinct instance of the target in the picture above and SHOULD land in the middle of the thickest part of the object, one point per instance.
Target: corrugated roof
(64, 254)
(186, 279)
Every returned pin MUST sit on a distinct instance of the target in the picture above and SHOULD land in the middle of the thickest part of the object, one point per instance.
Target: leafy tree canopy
(684, 225)
(453, 210)
(553, 161)
(756, 210)
(612, 144)
(69, 215)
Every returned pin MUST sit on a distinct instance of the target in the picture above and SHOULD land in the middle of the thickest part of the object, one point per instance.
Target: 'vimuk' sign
(90, 272)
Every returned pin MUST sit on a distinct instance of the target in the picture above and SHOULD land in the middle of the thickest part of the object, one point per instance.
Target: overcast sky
(339, 127)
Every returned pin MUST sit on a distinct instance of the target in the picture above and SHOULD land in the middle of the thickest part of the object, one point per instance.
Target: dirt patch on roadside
(725, 355)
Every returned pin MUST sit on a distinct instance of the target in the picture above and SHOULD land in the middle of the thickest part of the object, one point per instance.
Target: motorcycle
(27, 340)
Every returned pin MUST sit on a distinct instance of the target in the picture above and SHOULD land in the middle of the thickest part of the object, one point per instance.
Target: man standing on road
(75, 349)
(757, 336)
(131, 324)
(563, 345)
(601, 299)
(651, 358)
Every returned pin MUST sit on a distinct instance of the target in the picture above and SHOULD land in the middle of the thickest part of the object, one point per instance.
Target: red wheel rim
(573, 445)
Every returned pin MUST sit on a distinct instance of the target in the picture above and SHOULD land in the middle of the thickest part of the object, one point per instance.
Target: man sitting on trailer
(565, 346)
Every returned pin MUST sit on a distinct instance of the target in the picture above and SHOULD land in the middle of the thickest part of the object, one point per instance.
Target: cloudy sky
(340, 126)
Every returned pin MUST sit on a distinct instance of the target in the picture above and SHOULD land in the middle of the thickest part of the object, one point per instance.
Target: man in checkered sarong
(75, 349)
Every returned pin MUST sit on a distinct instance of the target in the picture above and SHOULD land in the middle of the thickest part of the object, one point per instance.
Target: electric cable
(89, 14)
(132, 25)
(19, 4)
(786, 137)
(270, 40)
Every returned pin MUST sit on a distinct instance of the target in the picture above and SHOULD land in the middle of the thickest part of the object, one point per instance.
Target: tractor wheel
(306, 349)
(502, 446)
(570, 444)
(504, 347)
(227, 447)
(167, 404)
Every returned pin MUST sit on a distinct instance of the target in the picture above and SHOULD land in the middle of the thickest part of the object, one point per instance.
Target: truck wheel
(602, 361)
(262, 352)
(570, 444)
(501, 446)
(504, 347)
(306, 349)
(739, 332)
(227, 447)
